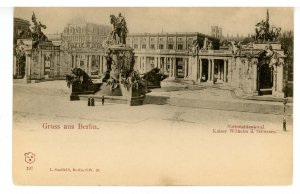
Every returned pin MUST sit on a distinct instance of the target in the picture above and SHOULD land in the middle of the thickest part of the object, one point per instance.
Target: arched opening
(265, 79)
(204, 75)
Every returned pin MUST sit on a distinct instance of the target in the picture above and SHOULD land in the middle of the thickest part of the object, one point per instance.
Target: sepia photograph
(153, 96)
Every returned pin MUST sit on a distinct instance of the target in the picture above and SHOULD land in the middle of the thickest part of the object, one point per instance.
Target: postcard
(153, 96)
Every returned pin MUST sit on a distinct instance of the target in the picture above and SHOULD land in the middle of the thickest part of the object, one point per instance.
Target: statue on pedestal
(264, 32)
(37, 34)
(119, 31)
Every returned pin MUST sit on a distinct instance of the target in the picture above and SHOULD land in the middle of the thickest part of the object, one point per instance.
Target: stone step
(240, 106)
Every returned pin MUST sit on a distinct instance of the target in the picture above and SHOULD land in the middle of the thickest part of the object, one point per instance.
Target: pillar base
(255, 93)
(171, 78)
(278, 94)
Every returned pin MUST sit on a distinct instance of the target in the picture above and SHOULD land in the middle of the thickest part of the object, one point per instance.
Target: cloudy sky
(232, 20)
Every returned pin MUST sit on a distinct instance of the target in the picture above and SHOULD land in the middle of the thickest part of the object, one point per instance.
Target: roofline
(170, 33)
(20, 19)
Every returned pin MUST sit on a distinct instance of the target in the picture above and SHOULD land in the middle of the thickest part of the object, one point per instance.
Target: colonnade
(88, 61)
(215, 72)
(167, 64)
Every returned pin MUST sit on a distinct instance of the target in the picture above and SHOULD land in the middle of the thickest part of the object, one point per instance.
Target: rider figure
(120, 19)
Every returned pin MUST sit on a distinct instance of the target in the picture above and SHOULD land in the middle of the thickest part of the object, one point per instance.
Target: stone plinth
(120, 62)
(262, 46)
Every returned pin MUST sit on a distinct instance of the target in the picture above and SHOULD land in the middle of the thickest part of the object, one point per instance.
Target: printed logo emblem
(29, 157)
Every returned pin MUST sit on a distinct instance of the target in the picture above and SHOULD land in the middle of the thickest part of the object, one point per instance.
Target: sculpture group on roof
(37, 34)
(265, 32)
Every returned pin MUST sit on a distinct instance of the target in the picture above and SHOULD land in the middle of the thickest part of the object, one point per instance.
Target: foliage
(247, 40)
(266, 32)
(288, 47)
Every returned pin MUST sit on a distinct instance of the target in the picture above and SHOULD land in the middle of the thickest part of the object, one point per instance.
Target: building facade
(165, 51)
(80, 33)
(193, 57)
(21, 29)
(216, 32)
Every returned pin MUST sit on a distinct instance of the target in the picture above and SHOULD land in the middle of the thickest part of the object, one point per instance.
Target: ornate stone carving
(235, 47)
(37, 34)
(266, 33)
(207, 44)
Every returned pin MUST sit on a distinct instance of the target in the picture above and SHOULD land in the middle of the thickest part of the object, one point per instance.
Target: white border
(152, 3)
(6, 22)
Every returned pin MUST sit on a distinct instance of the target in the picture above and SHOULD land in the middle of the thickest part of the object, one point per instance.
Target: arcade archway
(265, 79)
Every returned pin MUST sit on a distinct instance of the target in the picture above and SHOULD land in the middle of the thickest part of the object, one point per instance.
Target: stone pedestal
(120, 62)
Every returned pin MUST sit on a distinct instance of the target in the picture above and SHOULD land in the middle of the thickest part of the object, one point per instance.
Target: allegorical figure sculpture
(119, 31)
(264, 32)
(37, 34)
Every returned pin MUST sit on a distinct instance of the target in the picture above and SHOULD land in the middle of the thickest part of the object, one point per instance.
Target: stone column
(72, 61)
(170, 67)
(159, 62)
(145, 64)
(27, 76)
(90, 65)
(200, 69)
(97, 59)
(209, 70)
(75, 61)
(279, 80)
(43, 64)
(197, 68)
(254, 90)
(55, 71)
(28, 66)
(86, 63)
(174, 68)
(274, 88)
(100, 64)
(78, 60)
(185, 68)
(165, 64)
(15, 66)
(155, 61)
(229, 63)
(104, 64)
(222, 72)
(213, 70)
(140, 63)
(225, 70)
